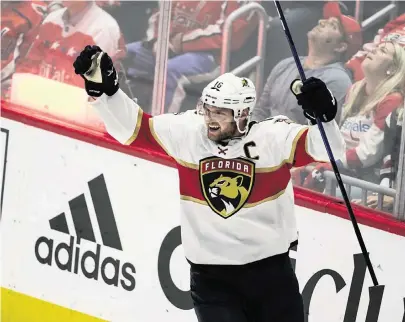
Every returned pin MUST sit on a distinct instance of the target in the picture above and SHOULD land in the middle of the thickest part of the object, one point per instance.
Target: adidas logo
(77, 260)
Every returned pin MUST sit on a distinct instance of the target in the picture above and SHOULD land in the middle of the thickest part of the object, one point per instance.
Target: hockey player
(236, 194)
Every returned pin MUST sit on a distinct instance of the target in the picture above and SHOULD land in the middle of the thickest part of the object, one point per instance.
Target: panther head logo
(230, 191)
(245, 82)
(226, 184)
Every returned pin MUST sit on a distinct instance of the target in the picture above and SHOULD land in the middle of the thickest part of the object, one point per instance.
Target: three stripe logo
(77, 261)
(81, 218)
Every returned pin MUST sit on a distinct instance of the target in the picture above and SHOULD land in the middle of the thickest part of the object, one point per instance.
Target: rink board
(90, 233)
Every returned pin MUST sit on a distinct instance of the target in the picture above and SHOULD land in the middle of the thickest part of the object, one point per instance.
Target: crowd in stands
(333, 40)
(365, 69)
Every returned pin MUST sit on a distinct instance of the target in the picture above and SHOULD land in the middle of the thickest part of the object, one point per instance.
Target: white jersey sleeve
(122, 117)
(171, 130)
(302, 144)
(125, 121)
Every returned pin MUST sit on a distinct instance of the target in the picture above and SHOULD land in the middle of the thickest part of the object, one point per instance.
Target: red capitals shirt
(364, 133)
(19, 23)
(60, 41)
(201, 24)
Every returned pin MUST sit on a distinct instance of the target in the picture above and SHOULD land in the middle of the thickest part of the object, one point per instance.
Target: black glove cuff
(111, 90)
(93, 89)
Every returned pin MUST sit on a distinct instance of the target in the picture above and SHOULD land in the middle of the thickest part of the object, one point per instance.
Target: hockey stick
(328, 149)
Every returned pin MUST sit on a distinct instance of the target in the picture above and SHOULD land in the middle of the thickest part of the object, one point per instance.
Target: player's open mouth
(213, 128)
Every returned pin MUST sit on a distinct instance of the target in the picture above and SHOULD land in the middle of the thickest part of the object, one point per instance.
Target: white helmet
(233, 92)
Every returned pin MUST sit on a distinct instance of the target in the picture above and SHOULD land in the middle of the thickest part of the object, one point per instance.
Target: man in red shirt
(196, 31)
(61, 36)
(19, 23)
(45, 73)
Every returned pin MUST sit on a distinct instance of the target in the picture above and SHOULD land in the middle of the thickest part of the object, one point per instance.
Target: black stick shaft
(329, 150)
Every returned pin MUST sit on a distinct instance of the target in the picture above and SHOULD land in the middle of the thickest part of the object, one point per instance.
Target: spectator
(393, 31)
(19, 22)
(61, 36)
(132, 16)
(392, 145)
(329, 44)
(195, 45)
(367, 106)
(301, 16)
(45, 73)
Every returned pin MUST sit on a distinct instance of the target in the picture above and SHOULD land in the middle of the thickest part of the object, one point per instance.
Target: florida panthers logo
(230, 191)
(226, 184)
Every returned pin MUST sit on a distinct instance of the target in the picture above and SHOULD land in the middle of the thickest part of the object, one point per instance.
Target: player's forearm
(120, 114)
(315, 146)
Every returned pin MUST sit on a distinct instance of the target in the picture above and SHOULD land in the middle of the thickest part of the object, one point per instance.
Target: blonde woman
(368, 103)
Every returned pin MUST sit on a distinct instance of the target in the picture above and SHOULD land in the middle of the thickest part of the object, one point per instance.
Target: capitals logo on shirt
(226, 184)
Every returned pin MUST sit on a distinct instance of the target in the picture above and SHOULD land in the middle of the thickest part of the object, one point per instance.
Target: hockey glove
(97, 70)
(315, 99)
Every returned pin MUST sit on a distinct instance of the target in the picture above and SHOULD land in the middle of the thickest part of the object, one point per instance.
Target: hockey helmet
(232, 92)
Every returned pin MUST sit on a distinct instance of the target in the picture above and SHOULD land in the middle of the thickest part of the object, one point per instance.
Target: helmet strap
(237, 119)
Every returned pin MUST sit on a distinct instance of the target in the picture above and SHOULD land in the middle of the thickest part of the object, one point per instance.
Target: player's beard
(225, 132)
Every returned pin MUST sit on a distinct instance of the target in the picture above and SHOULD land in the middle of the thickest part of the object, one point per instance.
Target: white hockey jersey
(237, 200)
